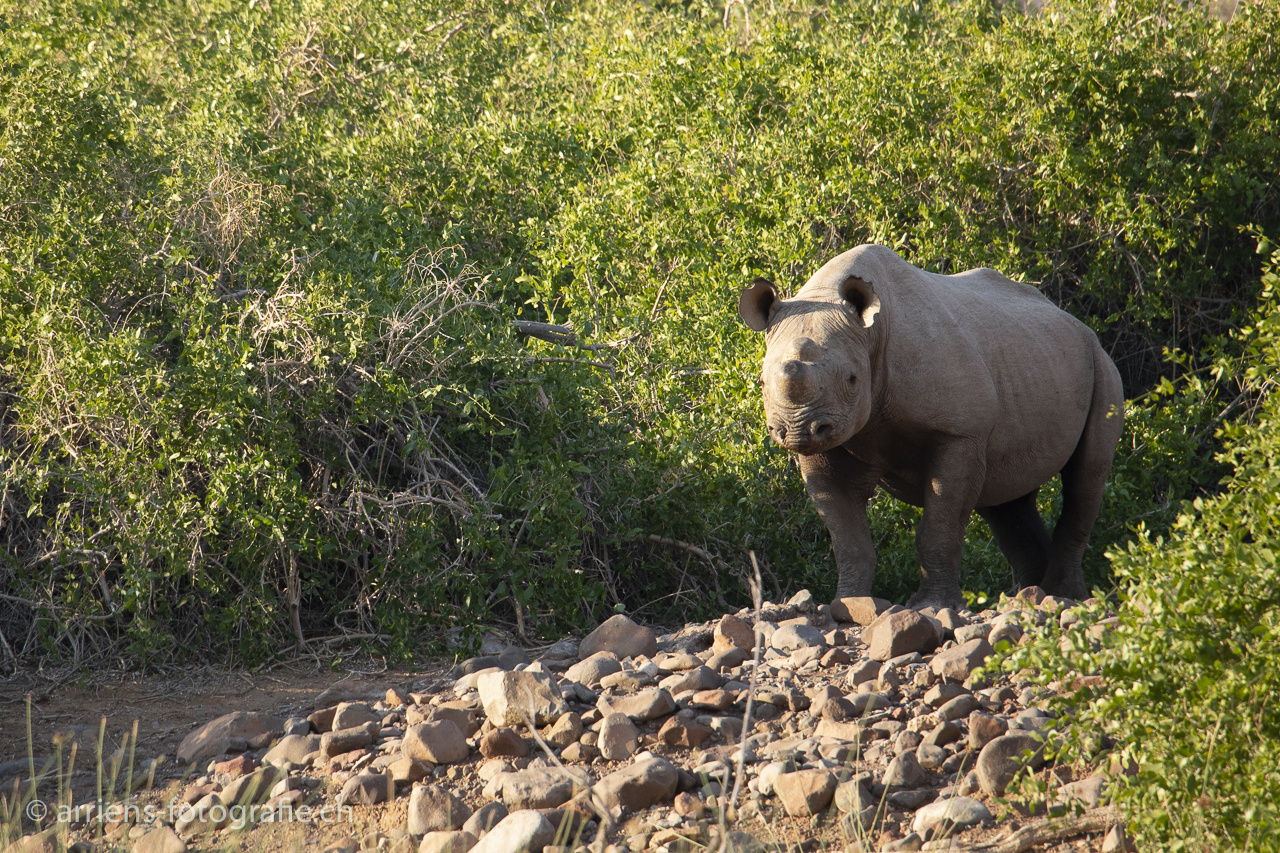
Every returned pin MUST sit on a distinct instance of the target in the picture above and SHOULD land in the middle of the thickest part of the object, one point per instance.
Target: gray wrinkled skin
(954, 393)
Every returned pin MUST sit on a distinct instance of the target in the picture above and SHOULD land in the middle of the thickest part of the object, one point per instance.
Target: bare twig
(1046, 831)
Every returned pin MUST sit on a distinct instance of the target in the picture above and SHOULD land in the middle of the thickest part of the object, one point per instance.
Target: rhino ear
(756, 302)
(861, 297)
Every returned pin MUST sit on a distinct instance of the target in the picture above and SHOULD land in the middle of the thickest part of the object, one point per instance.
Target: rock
(711, 700)
(406, 769)
(618, 737)
(1118, 841)
(984, 728)
(517, 698)
(853, 797)
(770, 772)
(904, 771)
(621, 636)
(640, 707)
(350, 715)
(955, 663)
(805, 792)
(864, 671)
(860, 610)
(564, 731)
(465, 718)
(292, 748)
(502, 742)
(439, 742)
(1003, 757)
(732, 633)
(444, 841)
(639, 785)
(484, 819)
(208, 741)
(961, 706)
(594, 668)
(910, 800)
(929, 756)
(579, 753)
(536, 787)
(342, 741)
(899, 633)
(789, 638)
(687, 804)
(367, 789)
(253, 788)
(520, 832)
(161, 840)
(728, 659)
(684, 730)
(941, 694)
(1087, 791)
(700, 678)
(944, 733)
(434, 809)
(941, 816)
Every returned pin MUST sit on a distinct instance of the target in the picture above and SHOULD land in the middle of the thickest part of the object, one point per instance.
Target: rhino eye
(852, 379)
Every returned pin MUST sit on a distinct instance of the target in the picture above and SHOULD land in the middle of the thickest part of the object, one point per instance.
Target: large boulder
(621, 636)
(213, 738)
(521, 698)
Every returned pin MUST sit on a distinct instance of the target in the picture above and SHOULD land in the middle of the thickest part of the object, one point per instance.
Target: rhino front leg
(840, 487)
(956, 475)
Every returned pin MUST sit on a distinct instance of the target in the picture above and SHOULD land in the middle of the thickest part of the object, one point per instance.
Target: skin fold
(953, 393)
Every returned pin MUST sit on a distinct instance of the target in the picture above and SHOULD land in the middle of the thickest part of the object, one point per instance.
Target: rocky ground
(866, 730)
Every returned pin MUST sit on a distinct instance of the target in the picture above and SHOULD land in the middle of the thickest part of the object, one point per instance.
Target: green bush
(260, 263)
(1192, 665)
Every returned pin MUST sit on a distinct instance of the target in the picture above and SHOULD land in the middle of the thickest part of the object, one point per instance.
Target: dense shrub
(259, 265)
(1192, 667)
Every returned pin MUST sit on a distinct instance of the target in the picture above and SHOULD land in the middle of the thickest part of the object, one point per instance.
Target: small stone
(621, 636)
(728, 659)
(944, 733)
(350, 715)
(853, 797)
(579, 753)
(484, 819)
(518, 832)
(292, 748)
(536, 787)
(711, 700)
(864, 672)
(942, 815)
(699, 678)
(447, 841)
(367, 789)
(860, 610)
(342, 741)
(160, 840)
(619, 737)
(959, 707)
(904, 771)
(1003, 757)
(406, 769)
(732, 633)
(640, 785)
(503, 742)
(930, 756)
(520, 698)
(641, 707)
(1118, 841)
(687, 804)
(770, 772)
(805, 792)
(789, 638)
(594, 668)
(955, 663)
(564, 731)
(439, 742)
(459, 713)
(684, 730)
(984, 728)
(899, 633)
(253, 788)
(433, 809)
(1087, 791)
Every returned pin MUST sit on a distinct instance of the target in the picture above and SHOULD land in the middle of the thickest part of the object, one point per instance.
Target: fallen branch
(1044, 831)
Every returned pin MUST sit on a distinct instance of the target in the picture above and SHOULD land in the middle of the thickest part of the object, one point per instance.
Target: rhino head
(817, 366)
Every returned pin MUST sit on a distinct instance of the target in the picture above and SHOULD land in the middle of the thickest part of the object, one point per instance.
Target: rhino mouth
(805, 437)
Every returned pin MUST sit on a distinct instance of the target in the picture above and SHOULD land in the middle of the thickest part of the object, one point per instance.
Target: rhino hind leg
(1083, 480)
(1021, 535)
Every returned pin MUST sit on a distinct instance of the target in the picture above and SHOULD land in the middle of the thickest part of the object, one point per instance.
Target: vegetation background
(261, 263)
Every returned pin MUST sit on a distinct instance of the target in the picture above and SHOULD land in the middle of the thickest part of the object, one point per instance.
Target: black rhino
(954, 393)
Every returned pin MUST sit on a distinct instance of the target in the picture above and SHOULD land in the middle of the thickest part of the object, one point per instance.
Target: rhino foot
(935, 600)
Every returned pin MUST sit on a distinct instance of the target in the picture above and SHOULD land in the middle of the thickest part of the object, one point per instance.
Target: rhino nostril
(779, 433)
(822, 430)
